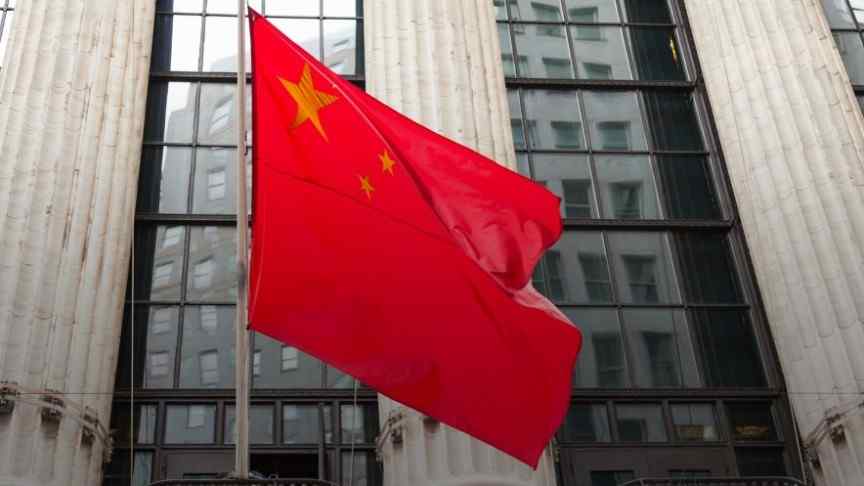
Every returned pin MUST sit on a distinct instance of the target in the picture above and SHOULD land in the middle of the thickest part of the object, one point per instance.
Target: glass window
(852, 51)
(585, 422)
(360, 468)
(751, 421)
(760, 462)
(640, 423)
(592, 11)
(212, 252)
(340, 8)
(208, 347)
(600, 53)
(611, 478)
(301, 424)
(180, 5)
(177, 43)
(540, 10)
(647, 11)
(687, 188)
(601, 363)
(143, 423)
(707, 264)
(673, 121)
(643, 268)
(170, 112)
(659, 347)
(161, 319)
(303, 371)
(220, 44)
(358, 427)
(305, 32)
(553, 119)
(694, 422)
(614, 120)
(839, 16)
(626, 187)
(260, 424)
(727, 349)
(541, 42)
(576, 271)
(216, 114)
(190, 424)
(289, 8)
(340, 45)
(164, 179)
(160, 347)
(338, 379)
(568, 177)
(516, 119)
(507, 51)
(119, 473)
(165, 243)
(656, 54)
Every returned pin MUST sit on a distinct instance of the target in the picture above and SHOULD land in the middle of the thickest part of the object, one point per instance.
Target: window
(596, 274)
(727, 348)
(694, 422)
(577, 198)
(216, 184)
(202, 277)
(614, 135)
(172, 236)
(209, 362)
(256, 363)
(162, 274)
(610, 359)
(162, 320)
(593, 70)
(752, 421)
(640, 423)
(290, 358)
(568, 135)
(626, 200)
(641, 278)
(209, 318)
(611, 478)
(585, 423)
(557, 68)
(585, 15)
(160, 363)
(547, 13)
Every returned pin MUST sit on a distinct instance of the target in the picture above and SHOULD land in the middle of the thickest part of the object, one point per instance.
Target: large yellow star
(386, 162)
(366, 186)
(309, 100)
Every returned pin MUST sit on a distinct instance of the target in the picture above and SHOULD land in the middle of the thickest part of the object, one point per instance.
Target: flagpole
(241, 408)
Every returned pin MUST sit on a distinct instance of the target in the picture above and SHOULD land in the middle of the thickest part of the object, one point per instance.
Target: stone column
(792, 137)
(439, 62)
(72, 101)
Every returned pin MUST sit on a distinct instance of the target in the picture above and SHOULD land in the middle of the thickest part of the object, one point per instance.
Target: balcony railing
(717, 481)
(243, 482)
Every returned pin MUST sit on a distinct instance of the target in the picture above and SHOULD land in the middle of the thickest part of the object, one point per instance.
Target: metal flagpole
(241, 409)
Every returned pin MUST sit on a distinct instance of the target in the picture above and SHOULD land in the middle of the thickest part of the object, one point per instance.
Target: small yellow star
(366, 186)
(386, 162)
(309, 100)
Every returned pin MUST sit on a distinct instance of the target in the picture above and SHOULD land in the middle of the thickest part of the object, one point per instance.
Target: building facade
(708, 153)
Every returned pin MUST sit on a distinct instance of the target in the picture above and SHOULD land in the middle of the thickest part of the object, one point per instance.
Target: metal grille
(717, 481)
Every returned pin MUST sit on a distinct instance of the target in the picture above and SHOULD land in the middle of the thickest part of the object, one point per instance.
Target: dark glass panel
(643, 268)
(163, 184)
(143, 424)
(673, 121)
(708, 267)
(170, 111)
(575, 270)
(522, 164)
(552, 119)
(208, 347)
(752, 421)
(601, 363)
(660, 348)
(360, 469)
(568, 177)
(614, 120)
(640, 423)
(695, 422)
(611, 478)
(161, 347)
(359, 426)
(727, 350)
(600, 52)
(687, 188)
(626, 187)
(260, 424)
(190, 424)
(656, 54)
(592, 11)
(211, 267)
(760, 462)
(839, 16)
(301, 424)
(278, 366)
(852, 51)
(545, 50)
(585, 422)
(342, 43)
(118, 472)
(177, 43)
(647, 11)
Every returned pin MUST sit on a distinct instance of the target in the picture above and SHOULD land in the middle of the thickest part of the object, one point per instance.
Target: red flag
(402, 258)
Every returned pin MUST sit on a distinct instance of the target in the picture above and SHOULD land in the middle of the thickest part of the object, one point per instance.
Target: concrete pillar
(792, 137)
(72, 101)
(439, 62)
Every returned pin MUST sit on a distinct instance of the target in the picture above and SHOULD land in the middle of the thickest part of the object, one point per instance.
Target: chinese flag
(401, 257)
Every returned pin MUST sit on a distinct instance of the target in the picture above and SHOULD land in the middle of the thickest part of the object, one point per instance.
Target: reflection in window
(641, 278)
(209, 363)
(162, 319)
(162, 274)
(216, 184)
(596, 275)
(674, 122)
(660, 348)
(694, 422)
(614, 135)
(160, 363)
(207, 348)
(290, 359)
(260, 424)
(172, 236)
(643, 269)
(688, 190)
(360, 468)
(727, 349)
(202, 276)
(359, 423)
(209, 318)
(568, 135)
(307, 371)
(640, 423)
(593, 70)
(547, 13)
(301, 424)
(557, 67)
(611, 478)
(577, 198)
(585, 423)
(601, 363)
(548, 109)
(708, 267)
(852, 51)
(656, 55)
(549, 276)
(615, 120)
(256, 363)
(585, 32)
(190, 424)
(752, 421)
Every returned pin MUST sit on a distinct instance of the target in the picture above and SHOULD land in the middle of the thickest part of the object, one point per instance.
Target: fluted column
(439, 62)
(792, 137)
(72, 100)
